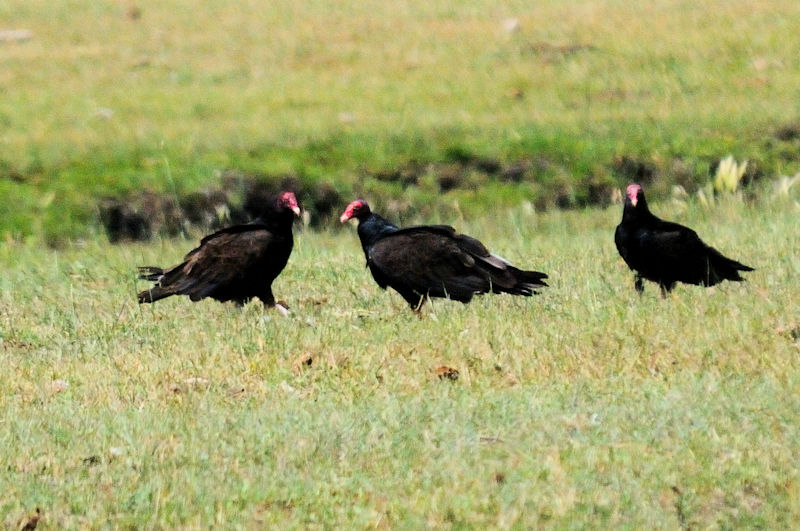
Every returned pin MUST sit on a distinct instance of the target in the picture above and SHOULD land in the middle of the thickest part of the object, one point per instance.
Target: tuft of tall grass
(726, 180)
(728, 175)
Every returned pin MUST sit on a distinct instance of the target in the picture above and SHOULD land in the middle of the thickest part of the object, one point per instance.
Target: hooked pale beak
(634, 200)
(344, 218)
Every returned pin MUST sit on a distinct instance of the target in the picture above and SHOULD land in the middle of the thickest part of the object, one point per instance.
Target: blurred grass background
(112, 97)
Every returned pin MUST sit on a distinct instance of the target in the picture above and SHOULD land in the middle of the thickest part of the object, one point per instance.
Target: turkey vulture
(233, 264)
(666, 252)
(434, 261)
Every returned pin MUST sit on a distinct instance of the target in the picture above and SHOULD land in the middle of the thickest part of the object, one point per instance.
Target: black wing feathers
(435, 261)
(666, 252)
(233, 264)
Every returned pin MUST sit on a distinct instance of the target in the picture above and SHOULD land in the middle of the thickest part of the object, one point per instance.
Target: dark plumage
(234, 264)
(667, 253)
(434, 261)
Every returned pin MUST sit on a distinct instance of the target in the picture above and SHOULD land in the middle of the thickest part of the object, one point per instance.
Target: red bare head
(358, 209)
(288, 200)
(634, 193)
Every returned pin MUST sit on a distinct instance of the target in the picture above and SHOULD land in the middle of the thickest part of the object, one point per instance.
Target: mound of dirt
(239, 198)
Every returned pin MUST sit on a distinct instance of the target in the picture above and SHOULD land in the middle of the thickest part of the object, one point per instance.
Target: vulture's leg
(418, 308)
(638, 283)
(666, 288)
(269, 301)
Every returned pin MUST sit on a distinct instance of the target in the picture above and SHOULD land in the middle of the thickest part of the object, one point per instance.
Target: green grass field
(113, 97)
(586, 406)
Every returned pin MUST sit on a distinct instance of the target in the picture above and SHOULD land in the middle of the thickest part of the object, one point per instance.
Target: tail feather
(726, 268)
(153, 294)
(151, 273)
(505, 278)
(520, 282)
(530, 284)
(535, 278)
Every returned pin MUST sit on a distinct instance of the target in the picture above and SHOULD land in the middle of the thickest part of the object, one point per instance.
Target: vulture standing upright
(667, 253)
(236, 263)
(434, 261)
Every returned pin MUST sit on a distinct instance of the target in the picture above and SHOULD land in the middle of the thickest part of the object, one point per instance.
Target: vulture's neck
(373, 228)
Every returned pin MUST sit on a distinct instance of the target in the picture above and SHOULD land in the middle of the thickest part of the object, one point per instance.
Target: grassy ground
(109, 97)
(587, 406)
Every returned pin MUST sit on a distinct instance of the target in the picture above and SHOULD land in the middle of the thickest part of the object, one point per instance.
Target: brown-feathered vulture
(235, 264)
(434, 261)
(666, 252)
